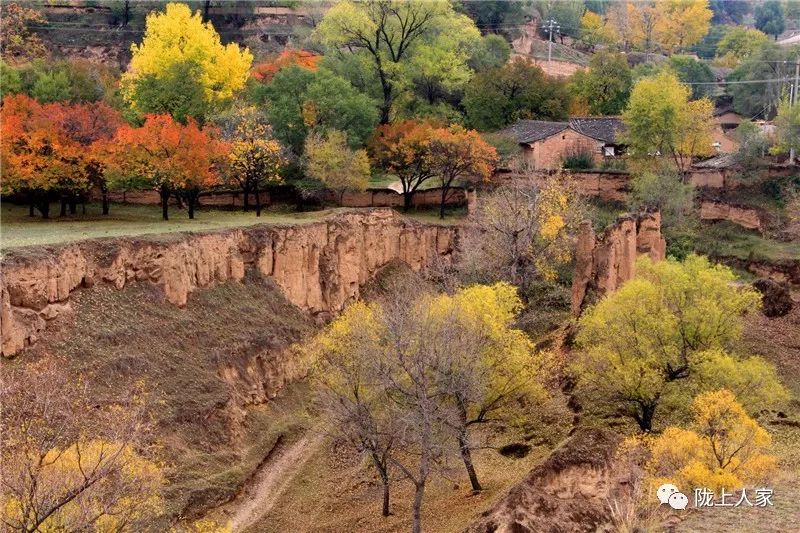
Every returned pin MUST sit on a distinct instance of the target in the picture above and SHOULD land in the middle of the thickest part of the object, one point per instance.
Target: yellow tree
(523, 230)
(486, 369)
(70, 464)
(642, 19)
(681, 23)
(594, 30)
(723, 448)
(661, 120)
(331, 161)
(663, 335)
(177, 37)
(255, 158)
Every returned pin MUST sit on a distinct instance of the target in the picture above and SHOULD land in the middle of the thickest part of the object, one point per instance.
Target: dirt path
(270, 482)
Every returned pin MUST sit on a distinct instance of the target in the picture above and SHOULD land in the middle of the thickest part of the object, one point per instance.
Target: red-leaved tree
(167, 156)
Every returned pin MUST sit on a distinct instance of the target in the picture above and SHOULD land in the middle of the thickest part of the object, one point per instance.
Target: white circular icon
(665, 491)
(678, 501)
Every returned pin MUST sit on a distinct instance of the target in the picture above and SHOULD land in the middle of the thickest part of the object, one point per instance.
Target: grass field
(18, 229)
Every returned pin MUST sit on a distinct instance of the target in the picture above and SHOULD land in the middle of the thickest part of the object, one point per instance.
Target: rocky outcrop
(571, 491)
(776, 297)
(743, 216)
(604, 263)
(319, 266)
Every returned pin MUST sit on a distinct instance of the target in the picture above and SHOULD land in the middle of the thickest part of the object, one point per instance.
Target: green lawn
(725, 239)
(18, 229)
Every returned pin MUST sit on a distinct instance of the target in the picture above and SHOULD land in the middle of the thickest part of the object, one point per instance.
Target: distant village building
(726, 120)
(546, 144)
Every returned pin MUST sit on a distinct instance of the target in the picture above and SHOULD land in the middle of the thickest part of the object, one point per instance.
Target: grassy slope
(120, 336)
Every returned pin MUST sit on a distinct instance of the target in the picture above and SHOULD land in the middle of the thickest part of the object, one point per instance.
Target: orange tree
(264, 72)
(89, 126)
(38, 158)
(171, 157)
(403, 149)
(460, 154)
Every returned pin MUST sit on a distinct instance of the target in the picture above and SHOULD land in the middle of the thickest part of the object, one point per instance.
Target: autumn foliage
(264, 72)
(168, 156)
(416, 152)
(51, 148)
(723, 448)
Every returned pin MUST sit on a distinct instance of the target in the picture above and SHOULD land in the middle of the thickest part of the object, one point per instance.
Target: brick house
(545, 144)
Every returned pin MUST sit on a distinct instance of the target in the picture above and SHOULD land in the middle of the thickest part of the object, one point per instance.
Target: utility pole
(550, 25)
(795, 90)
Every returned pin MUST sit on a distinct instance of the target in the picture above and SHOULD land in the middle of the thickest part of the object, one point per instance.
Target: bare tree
(71, 463)
(523, 229)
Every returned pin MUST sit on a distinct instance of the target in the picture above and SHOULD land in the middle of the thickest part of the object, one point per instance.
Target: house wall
(548, 153)
(726, 143)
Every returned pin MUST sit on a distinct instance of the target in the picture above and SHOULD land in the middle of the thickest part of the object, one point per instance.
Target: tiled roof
(601, 128)
(528, 131)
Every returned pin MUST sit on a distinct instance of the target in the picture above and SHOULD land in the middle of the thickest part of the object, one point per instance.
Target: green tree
(726, 11)
(660, 119)
(567, 13)
(495, 15)
(693, 73)
(761, 98)
(497, 97)
(753, 144)
(740, 43)
(399, 38)
(787, 123)
(51, 87)
(10, 79)
(664, 335)
(492, 51)
(330, 160)
(178, 92)
(770, 17)
(664, 191)
(298, 100)
(707, 47)
(606, 86)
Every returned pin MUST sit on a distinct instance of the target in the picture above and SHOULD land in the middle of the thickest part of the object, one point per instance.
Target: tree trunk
(416, 509)
(191, 200)
(645, 417)
(104, 190)
(165, 194)
(179, 199)
(407, 200)
(246, 200)
(44, 208)
(385, 510)
(258, 201)
(466, 456)
(444, 200)
(386, 86)
(73, 206)
(383, 472)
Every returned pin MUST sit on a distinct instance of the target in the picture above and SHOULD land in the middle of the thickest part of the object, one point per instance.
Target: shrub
(579, 158)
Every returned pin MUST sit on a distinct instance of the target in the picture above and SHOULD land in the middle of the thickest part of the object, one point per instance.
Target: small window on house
(608, 151)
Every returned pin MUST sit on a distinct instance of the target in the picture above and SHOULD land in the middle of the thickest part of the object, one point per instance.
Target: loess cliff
(319, 267)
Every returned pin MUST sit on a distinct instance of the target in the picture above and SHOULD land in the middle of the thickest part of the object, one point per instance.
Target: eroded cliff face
(570, 491)
(319, 266)
(604, 262)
